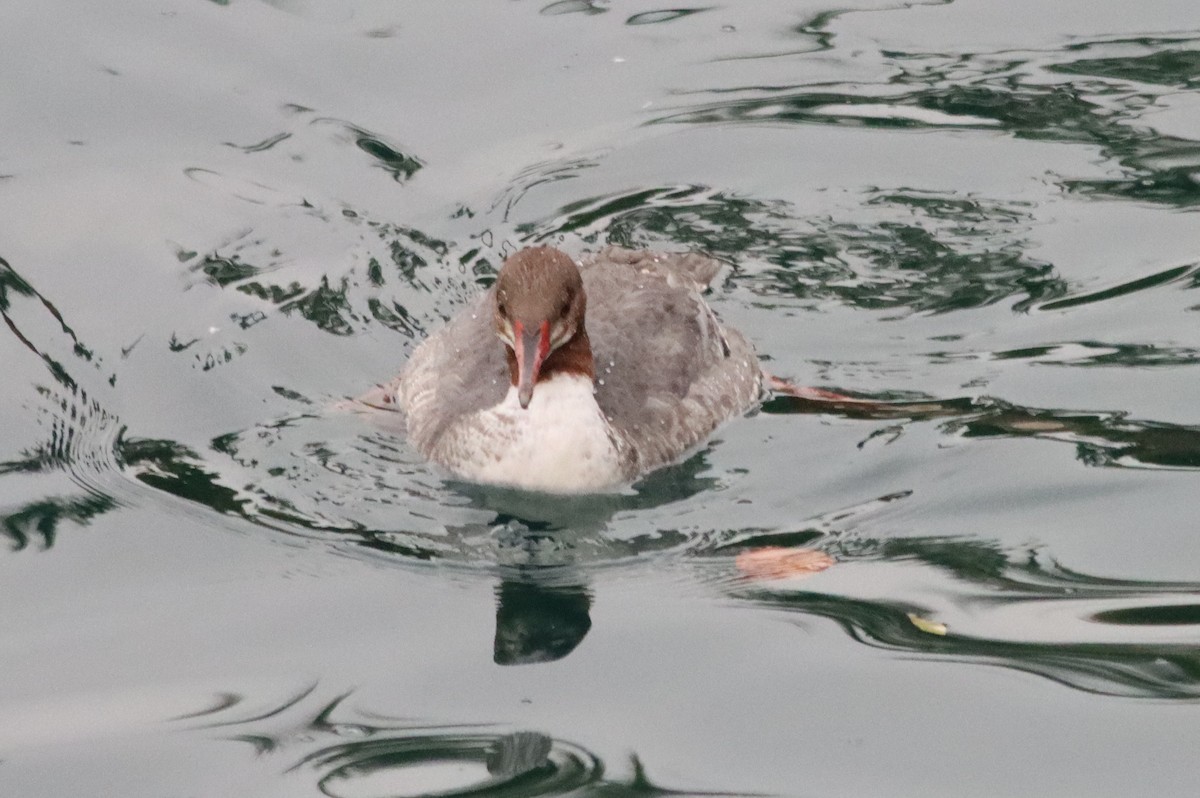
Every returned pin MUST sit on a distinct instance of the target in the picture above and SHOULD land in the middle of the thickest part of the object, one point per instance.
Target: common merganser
(520, 390)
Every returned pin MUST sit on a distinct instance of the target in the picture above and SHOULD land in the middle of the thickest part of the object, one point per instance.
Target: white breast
(560, 443)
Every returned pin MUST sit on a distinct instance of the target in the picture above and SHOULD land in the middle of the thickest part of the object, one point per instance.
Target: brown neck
(573, 357)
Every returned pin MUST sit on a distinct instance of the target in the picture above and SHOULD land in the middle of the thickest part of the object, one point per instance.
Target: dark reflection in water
(13, 287)
(1174, 274)
(1136, 670)
(1162, 168)
(221, 271)
(987, 581)
(925, 252)
(334, 306)
(81, 432)
(36, 523)
(538, 622)
(348, 752)
(1096, 353)
(385, 154)
(1091, 92)
(1167, 615)
(573, 7)
(176, 469)
(1101, 439)
(353, 303)
(1173, 65)
(663, 15)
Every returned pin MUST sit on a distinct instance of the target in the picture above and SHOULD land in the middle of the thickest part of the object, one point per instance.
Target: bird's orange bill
(531, 350)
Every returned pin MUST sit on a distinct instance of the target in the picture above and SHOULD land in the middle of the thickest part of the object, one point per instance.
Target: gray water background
(220, 219)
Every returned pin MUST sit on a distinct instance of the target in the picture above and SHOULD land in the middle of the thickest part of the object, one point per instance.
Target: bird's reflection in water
(539, 619)
(542, 546)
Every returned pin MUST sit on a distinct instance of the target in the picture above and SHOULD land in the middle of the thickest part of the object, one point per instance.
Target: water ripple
(663, 15)
(906, 250)
(348, 751)
(1100, 92)
(515, 764)
(349, 303)
(1163, 671)
(81, 432)
(320, 476)
(1174, 274)
(1101, 439)
(977, 604)
(1085, 354)
(573, 7)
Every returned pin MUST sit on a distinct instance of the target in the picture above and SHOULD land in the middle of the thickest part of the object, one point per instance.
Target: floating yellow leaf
(926, 625)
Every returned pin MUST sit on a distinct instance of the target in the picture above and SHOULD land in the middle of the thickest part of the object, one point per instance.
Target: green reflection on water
(925, 252)
(1056, 96)
(987, 578)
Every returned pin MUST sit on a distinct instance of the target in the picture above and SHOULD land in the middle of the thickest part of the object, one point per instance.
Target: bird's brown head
(539, 310)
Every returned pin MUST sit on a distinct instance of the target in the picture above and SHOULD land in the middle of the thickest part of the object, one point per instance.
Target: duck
(577, 377)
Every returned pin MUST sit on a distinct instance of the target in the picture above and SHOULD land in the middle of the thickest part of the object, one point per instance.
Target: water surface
(222, 219)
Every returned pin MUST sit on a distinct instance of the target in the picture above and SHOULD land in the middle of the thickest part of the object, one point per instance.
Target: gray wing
(457, 371)
(667, 372)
